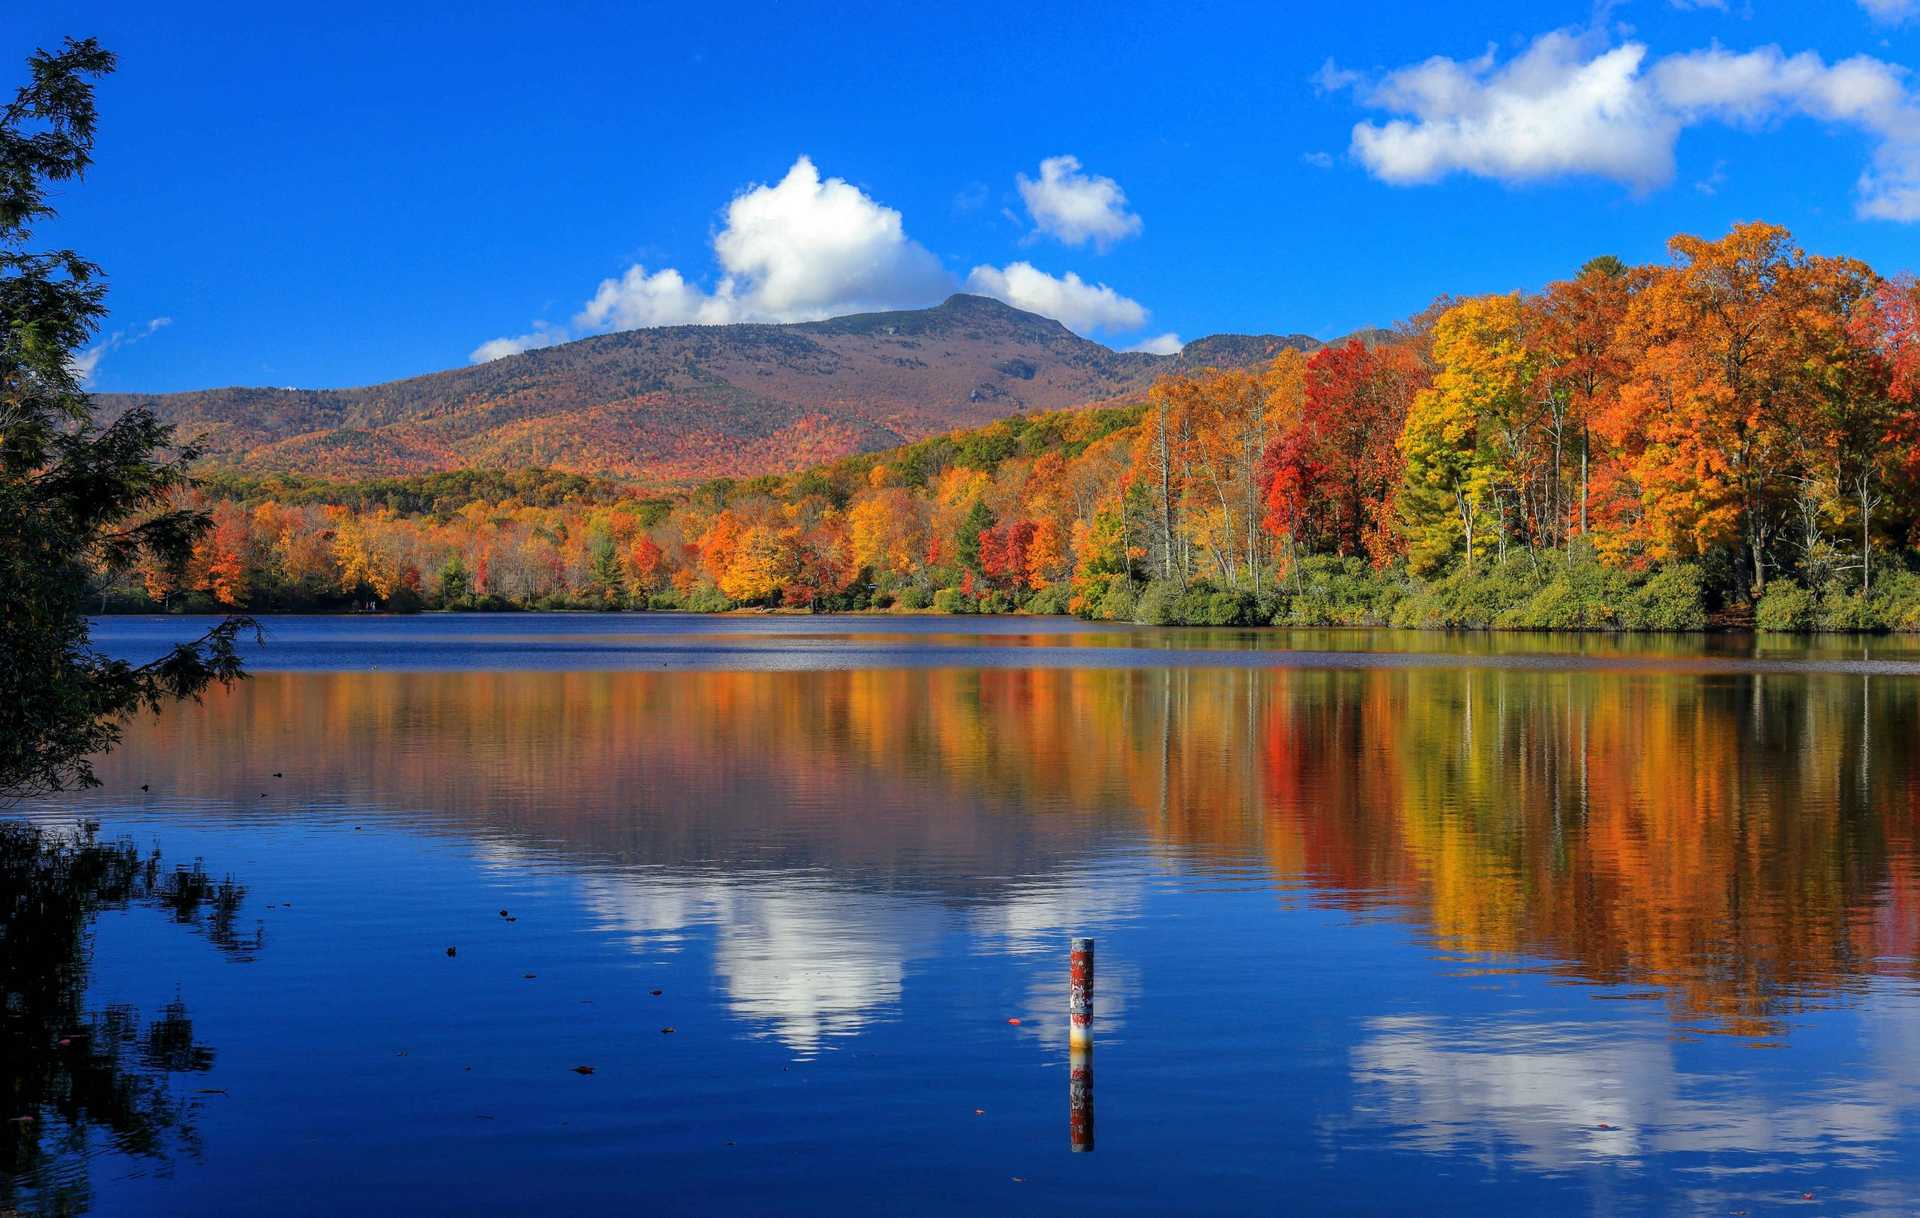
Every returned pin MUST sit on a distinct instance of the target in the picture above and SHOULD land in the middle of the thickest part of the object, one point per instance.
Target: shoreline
(1712, 630)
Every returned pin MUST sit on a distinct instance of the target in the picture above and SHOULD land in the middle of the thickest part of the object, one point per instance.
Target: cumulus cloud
(542, 335)
(1072, 301)
(1568, 106)
(801, 249)
(86, 364)
(1160, 344)
(1076, 207)
(807, 248)
(657, 298)
(1554, 110)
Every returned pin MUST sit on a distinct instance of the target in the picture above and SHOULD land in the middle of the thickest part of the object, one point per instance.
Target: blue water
(1528, 926)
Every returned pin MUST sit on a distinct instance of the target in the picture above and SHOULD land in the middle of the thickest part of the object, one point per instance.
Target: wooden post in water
(1080, 1046)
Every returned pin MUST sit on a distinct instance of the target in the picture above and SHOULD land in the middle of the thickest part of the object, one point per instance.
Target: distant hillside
(684, 401)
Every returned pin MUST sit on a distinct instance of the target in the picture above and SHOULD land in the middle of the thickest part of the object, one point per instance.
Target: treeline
(1730, 436)
(438, 493)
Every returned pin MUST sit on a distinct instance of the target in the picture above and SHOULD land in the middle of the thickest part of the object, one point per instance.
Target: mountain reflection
(1745, 843)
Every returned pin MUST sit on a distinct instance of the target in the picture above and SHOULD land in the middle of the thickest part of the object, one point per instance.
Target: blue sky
(282, 198)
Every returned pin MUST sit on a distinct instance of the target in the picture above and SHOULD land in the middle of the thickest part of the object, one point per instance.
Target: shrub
(952, 600)
(1674, 598)
(706, 599)
(1581, 595)
(1479, 600)
(1896, 599)
(913, 596)
(1049, 600)
(1116, 601)
(1228, 609)
(1842, 607)
(1328, 590)
(1156, 605)
(1785, 607)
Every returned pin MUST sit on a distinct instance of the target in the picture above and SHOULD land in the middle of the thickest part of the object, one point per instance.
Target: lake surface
(1386, 923)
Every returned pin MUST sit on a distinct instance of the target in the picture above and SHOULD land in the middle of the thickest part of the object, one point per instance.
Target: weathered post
(1080, 993)
(1080, 1046)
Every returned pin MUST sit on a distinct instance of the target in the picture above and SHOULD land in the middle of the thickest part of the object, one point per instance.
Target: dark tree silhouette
(77, 496)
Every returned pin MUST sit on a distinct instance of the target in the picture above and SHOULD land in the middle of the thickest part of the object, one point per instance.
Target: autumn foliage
(1746, 411)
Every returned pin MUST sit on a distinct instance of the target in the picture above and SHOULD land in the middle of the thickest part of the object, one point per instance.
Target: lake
(1385, 923)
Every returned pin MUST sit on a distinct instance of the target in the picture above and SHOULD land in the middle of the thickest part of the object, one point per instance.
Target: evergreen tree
(609, 582)
(966, 546)
(78, 496)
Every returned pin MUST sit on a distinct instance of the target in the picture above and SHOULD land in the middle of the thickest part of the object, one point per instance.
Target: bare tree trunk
(1466, 521)
(1586, 443)
(1866, 526)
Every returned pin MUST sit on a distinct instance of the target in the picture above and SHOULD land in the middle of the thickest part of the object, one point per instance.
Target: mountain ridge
(691, 401)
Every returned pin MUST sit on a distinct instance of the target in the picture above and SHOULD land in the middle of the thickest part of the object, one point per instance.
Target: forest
(1731, 437)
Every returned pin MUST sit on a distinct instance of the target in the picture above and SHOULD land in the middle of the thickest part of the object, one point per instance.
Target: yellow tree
(887, 531)
(1461, 431)
(764, 559)
(1162, 460)
(1235, 414)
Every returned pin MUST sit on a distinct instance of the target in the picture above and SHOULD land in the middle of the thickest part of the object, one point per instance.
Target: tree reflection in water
(75, 1079)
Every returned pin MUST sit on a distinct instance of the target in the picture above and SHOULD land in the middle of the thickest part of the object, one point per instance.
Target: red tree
(1330, 479)
(1003, 552)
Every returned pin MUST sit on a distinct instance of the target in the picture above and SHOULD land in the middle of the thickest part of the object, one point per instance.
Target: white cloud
(1319, 160)
(1160, 344)
(1072, 301)
(83, 364)
(1552, 111)
(1567, 106)
(86, 363)
(806, 249)
(1077, 207)
(542, 335)
(801, 249)
(659, 298)
(1892, 12)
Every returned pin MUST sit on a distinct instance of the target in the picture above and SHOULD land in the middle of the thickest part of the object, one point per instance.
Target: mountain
(684, 401)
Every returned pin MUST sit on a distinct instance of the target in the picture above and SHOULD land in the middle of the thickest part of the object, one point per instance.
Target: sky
(299, 195)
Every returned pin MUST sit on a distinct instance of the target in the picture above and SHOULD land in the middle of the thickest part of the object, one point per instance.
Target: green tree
(966, 543)
(455, 582)
(606, 582)
(78, 497)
